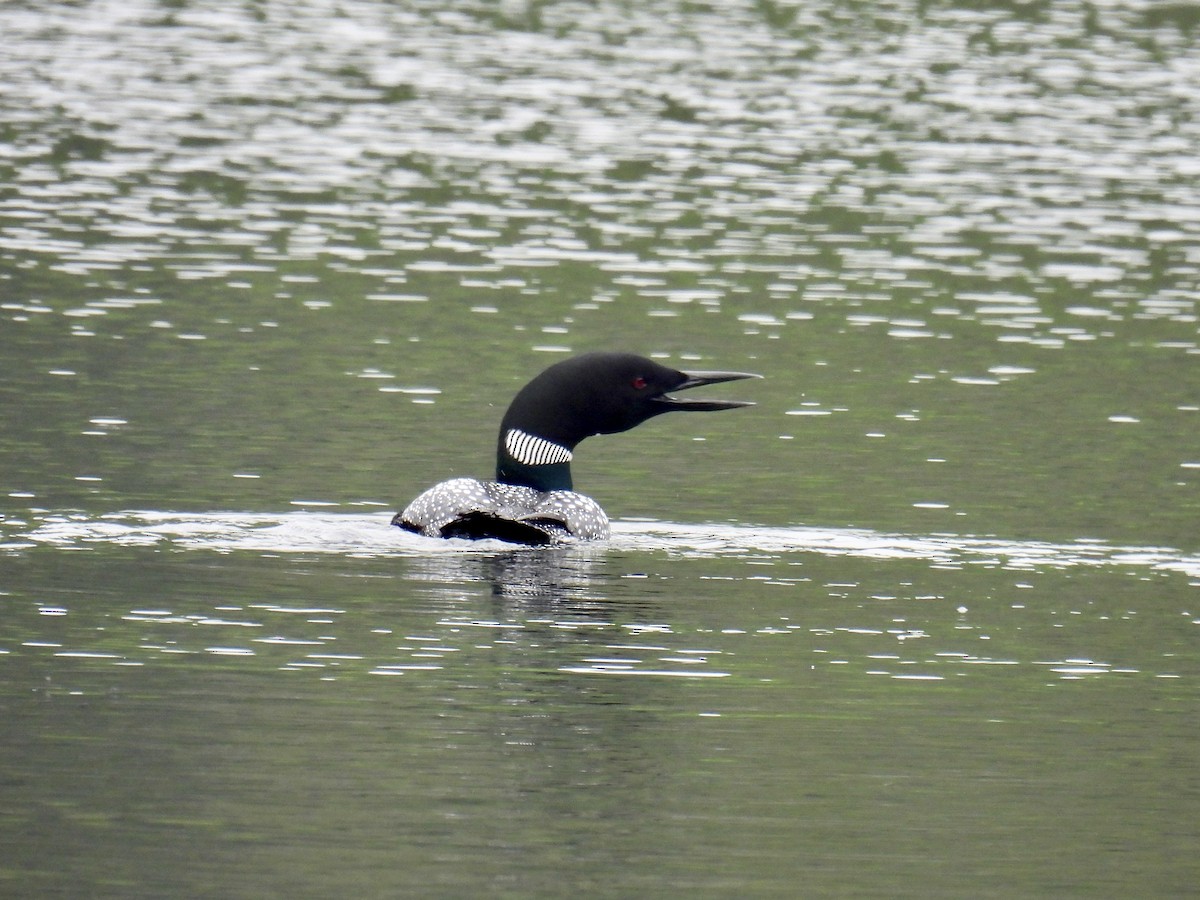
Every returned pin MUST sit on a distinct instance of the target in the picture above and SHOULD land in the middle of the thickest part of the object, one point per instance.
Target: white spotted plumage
(580, 515)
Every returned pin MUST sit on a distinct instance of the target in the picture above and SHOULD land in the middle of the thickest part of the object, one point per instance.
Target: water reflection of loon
(532, 501)
(562, 578)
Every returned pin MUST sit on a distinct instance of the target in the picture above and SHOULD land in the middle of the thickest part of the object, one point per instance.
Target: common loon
(532, 501)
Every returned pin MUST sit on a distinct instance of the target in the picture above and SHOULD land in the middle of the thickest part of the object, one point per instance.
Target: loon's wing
(480, 525)
(476, 510)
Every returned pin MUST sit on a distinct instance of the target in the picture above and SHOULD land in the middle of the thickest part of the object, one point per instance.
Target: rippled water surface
(923, 622)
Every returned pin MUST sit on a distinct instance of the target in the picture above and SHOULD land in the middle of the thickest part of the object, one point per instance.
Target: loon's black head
(595, 393)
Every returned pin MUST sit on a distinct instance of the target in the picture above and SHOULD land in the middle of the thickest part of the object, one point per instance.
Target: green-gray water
(921, 623)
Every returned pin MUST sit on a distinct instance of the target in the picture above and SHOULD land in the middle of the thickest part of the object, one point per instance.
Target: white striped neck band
(534, 451)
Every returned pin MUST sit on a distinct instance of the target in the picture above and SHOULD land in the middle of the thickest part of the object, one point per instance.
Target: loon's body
(532, 500)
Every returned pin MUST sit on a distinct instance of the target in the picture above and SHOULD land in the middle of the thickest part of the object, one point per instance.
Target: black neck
(553, 477)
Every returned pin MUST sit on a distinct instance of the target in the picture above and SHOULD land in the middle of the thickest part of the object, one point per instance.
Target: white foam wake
(370, 535)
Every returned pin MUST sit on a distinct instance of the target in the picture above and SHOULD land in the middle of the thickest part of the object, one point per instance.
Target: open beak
(699, 379)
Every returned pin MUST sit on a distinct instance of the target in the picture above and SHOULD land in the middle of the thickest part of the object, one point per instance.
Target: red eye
(639, 383)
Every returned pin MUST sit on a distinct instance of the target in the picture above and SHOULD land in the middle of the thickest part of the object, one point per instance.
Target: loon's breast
(469, 508)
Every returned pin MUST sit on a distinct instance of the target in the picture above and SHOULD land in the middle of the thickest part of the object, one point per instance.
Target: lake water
(923, 622)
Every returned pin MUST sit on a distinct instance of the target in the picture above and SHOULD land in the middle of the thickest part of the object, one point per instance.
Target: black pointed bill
(699, 379)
